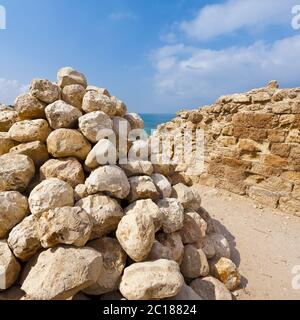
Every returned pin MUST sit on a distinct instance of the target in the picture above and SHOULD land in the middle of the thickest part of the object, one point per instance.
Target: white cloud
(190, 75)
(10, 89)
(233, 15)
(122, 16)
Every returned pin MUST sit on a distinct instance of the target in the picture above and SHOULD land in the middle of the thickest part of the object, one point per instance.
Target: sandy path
(265, 244)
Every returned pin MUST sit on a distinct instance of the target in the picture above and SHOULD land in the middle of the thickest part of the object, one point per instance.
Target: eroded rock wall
(252, 144)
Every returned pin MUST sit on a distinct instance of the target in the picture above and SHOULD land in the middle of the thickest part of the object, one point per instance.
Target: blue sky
(158, 55)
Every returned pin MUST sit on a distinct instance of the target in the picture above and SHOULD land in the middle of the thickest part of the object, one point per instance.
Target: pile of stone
(74, 228)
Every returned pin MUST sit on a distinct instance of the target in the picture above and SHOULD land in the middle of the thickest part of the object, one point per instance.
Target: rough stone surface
(105, 214)
(73, 94)
(61, 272)
(64, 225)
(136, 122)
(50, 194)
(151, 280)
(5, 143)
(162, 184)
(221, 245)
(16, 171)
(29, 107)
(194, 228)
(67, 76)
(142, 187)
(63, 143)
(62, 115)
(94, 101)
(44, 90)
(13, 208)
(136, 168)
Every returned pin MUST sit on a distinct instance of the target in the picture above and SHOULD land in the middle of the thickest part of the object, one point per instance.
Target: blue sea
(152, 120)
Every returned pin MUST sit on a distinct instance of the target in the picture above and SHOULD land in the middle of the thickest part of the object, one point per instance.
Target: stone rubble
(74, 228)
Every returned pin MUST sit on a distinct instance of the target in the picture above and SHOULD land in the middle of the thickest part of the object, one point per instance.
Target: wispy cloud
(10, 89)
(216, 20)
(123, 16)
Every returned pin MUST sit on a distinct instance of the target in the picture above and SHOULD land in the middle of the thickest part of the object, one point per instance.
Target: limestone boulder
(50, 194)
(139, 150)
(173, 214)
(194, 263)
(8, 117)
(109, 179)
(13, 208)
(186, 293)
(207, 245)
(9, 266)
(136, 168)
(73, 95)
(80, 192)
(142, 187)
(136, 234)
(16, 172)
(149, 208)
(30, 130)
(68, 76)
(44, 90)
(29, 107)
(61, 272)
(36, 150)
(162, 185)
(105, 214)
(98, 90)
(221, 245)
(95, 125)
(94, 101)
(210, 288)
(151, 280)
(62, 115)
(194, 228)
(226, 271)
(64, 225)
(64, 143)
(68, 169)
(188, 197)
(24, 240)
(135, 120)
(6, 143)
(114, 261)
(121, 108)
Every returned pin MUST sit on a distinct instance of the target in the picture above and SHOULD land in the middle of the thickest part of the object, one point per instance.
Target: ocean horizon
(152, 120)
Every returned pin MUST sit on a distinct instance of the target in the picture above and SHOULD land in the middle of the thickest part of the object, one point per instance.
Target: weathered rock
(94, 101)
(36, 150)
(61, 272)
(8, 117)
(226, 271)
(16, 171)
(136, 122)
(173, 214)
(98, 90)
(5, 143)
(109, 179)
(221, 245)
(139, 150)
(80, 192)
(67, 76)
(136, 234)
(29, 107)
(147, 207)
(194, 228)
(62, 115)
(207, 245)
(63, 143)
(10, 268)
(104, 152)
(73, 94)
(210, 288)
(168, 246)
(95, 125)
(64, 225)
(162, 184)
(30, 130)
(44, 90)
(151, 280)
(142, 187)
(105, 214)
(50, 194)
(136, 168)
(194, 263)
(188, 197)
(13, 208)
(121, 108)
(69, 170)
(24, 239)
(114, 261)
(186, 293)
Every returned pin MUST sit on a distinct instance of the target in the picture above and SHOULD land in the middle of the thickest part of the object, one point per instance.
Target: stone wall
(252, 144)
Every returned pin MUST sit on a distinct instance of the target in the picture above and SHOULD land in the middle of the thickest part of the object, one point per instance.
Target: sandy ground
(265, 244)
